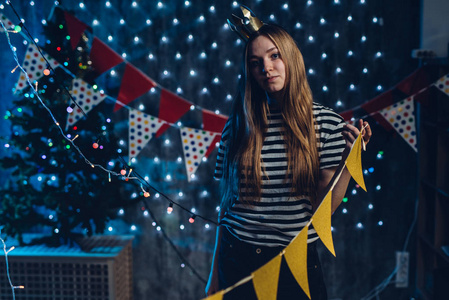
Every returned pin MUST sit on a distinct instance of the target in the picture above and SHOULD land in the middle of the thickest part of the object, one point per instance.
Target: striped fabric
(279, 216)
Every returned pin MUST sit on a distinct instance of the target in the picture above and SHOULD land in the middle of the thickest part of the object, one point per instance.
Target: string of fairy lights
(12, 286)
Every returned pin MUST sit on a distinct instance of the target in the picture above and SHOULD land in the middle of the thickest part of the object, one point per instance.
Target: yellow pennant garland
(354, 162)
(322, 222)
(296, 257)
(266, 279)
(216, 296)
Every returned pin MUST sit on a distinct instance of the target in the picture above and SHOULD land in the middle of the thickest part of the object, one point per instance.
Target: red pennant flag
(134, 84)
(375, 105)
(414, 82)
(75, 28)
(171, 109)
(215, 123)
(347, 115)
(103, 57)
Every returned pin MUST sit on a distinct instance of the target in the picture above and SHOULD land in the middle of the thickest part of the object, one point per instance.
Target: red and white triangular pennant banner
(86, 97)
(195, 143)
(6, 22)
(443, 84)
(34, 64)
(142, 128)
(401, 116)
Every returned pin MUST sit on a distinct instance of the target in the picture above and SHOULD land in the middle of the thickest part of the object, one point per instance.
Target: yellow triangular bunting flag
(322, 222)
(216, 296)
(296, 257)
(354, 162)
(266, 279)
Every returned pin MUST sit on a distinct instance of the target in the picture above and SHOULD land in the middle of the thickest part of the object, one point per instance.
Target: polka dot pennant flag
(195, 143)
(401, 116)
(443, 84)
(6, 22)
(34, 64)
(142, 128)
(86, 97)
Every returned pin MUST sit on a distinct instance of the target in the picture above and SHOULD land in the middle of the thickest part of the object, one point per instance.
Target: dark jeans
(238, 260)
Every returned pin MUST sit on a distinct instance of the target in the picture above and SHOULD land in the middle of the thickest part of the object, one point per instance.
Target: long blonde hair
(249, 124)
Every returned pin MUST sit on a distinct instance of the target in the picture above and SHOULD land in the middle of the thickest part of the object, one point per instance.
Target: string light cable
(171, 201)
(178, 253)
(13, 287)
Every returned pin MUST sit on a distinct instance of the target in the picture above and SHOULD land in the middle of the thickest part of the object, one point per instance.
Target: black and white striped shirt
(279, 216)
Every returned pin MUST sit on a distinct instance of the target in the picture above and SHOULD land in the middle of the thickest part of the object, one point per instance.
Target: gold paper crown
(246, 26)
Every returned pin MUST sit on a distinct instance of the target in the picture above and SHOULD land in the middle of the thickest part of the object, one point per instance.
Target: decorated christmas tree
(54, 187)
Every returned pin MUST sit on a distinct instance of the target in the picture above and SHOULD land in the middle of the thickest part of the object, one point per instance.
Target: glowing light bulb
(170, 208)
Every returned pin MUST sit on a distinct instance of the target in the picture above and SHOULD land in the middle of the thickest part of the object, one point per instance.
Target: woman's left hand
(350, 133)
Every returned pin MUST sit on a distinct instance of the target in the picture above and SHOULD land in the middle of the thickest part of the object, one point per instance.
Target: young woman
(277, 156)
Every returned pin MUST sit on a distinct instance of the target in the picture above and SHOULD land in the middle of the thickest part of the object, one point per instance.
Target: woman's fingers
(366, 132)
(351, 132)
